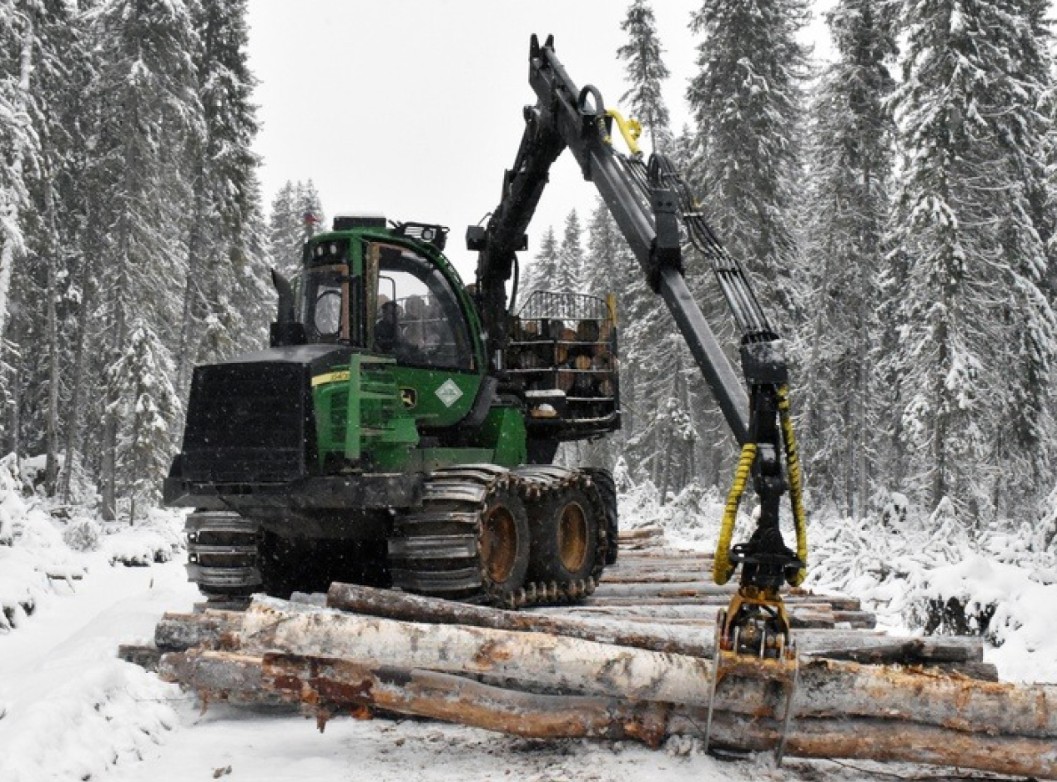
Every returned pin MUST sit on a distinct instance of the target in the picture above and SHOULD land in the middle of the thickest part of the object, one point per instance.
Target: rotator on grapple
(401, 428)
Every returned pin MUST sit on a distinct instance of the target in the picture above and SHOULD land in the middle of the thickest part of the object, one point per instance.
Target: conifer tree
(148, 87)
(977, 332)
(43, 291)
(18, 36)
(747, 100)
(296, 213)
(224, 194)
(145, 402)
(569, 272)
(846, 214)
(646, 72)
(539, 275)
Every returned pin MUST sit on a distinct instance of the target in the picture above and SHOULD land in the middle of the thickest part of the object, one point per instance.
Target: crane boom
(648, 201)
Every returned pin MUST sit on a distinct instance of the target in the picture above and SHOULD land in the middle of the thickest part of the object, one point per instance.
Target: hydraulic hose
(722, 569)
(796, 494)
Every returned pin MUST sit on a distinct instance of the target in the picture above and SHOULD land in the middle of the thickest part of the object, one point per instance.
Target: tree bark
(51, 437)
(218, 629)
(80, 371)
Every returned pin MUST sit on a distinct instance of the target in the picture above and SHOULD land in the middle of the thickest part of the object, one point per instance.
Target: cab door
(415, 315)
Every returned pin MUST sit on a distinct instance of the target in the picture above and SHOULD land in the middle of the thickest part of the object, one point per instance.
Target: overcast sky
(412, 108)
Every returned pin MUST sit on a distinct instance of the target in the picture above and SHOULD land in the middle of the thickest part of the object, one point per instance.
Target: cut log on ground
(841, 709)
(695, 640)
(570, 665)
(632, 662)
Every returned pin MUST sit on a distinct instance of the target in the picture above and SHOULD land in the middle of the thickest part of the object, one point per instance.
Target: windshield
(325, 303)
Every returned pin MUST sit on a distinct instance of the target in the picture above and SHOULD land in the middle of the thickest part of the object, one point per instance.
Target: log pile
(633, 662)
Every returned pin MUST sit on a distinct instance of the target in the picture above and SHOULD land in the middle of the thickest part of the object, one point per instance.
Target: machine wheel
(602, 480)
(469, 541)
(565, 535)
(503, 542)
(222, 554)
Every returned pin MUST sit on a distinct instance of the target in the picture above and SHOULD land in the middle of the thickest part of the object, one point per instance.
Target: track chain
(436, 549)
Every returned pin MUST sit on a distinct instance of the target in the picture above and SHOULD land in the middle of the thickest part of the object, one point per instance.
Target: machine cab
(393, 300)
(387, 291)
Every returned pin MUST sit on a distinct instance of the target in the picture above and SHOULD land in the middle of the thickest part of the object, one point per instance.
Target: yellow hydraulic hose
(795, 485)
(722, 570)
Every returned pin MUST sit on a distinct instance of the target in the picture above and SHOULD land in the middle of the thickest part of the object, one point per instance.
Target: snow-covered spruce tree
(84, 187)
(645, 73)
(609, 268)
(978, 336)
(18, 150)
(147, 90)
(143, 399)
(224, 192)
(715, 444)
(295, 213)
(569, 270)
(539, 273)
(1028, 431)
(612, 268)
(846, 215)
(747, 101)
(677, 436)
(43, 293)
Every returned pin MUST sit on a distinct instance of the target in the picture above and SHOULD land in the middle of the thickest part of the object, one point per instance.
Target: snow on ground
(73, 589)
(899, 566)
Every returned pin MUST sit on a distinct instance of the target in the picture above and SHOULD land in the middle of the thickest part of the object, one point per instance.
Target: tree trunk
(559, 663)
(80, 371)
(192, 292)
(179, 632)
(327, 686)
(10, 245)
(108, 491)
(51, 292)
(16, 411)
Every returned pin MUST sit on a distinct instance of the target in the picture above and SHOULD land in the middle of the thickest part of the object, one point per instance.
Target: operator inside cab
(417, 318)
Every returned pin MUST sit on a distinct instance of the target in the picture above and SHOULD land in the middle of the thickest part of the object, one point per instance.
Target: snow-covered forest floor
(72, 588)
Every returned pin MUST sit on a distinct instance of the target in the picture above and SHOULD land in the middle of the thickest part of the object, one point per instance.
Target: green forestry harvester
(400, 430)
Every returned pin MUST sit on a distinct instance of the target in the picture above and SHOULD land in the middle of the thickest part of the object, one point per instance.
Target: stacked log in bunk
(632, 662)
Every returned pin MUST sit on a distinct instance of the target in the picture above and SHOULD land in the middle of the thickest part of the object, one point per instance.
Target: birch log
(326, 684)
(539, 661)
(694, 639)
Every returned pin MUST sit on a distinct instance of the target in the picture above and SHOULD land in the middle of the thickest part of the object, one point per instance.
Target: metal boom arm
(647, 202)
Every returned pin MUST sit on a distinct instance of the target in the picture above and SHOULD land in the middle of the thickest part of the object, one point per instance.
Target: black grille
(249, 422)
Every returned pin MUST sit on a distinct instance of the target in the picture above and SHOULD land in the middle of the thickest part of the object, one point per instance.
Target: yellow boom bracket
(630, 129)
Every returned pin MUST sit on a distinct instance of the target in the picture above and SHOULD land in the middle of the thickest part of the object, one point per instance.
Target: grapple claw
(754, 629)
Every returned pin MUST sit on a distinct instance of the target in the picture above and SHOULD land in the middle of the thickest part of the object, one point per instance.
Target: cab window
(325, 301)
(415, 315)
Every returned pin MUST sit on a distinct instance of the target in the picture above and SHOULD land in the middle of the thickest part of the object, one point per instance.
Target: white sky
(412, 108)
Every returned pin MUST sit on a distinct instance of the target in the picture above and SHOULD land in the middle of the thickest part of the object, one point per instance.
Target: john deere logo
(409, 397)
(448, 393)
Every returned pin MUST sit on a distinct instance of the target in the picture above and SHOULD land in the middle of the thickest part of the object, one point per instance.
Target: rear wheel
(602, 481)
(565, 535)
